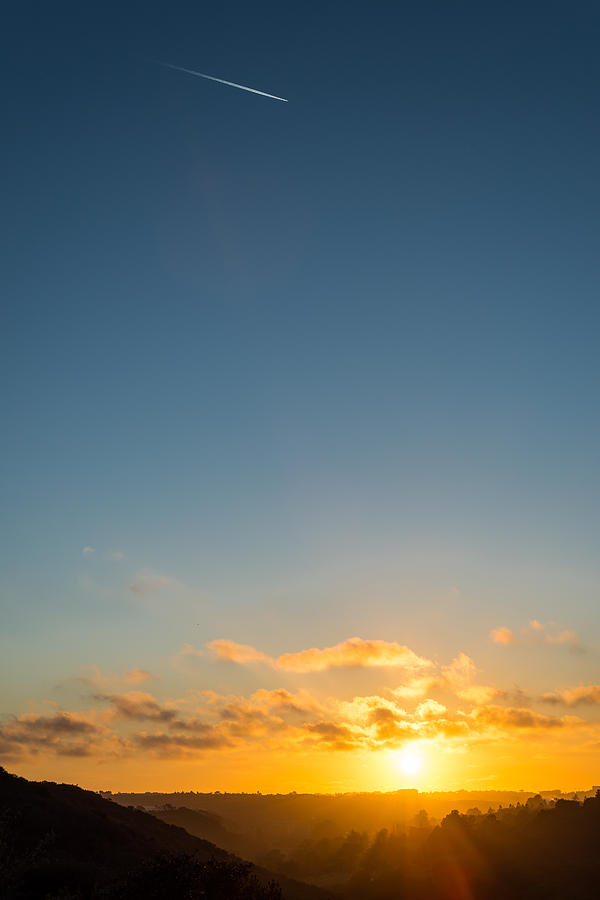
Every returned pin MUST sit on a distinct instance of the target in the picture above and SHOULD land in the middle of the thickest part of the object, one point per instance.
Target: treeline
(333, 860)
(540, 849)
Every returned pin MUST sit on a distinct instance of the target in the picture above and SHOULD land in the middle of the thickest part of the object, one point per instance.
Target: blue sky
(331, 365)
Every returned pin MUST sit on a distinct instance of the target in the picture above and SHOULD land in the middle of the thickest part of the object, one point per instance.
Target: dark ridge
(58, 840)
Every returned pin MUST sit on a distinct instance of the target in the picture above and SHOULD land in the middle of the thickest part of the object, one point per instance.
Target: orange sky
(358, 715)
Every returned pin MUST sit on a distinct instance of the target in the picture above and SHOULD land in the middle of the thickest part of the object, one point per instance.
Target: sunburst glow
(410, 763)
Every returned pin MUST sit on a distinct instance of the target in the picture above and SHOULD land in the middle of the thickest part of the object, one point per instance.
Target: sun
(410, 763)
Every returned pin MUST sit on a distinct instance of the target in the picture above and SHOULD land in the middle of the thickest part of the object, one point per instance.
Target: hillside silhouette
(59, 841)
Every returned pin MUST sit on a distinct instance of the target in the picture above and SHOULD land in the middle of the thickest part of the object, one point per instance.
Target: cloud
(35, 726)
(267, 720)
(116, 555)
(430, 709)
(171, 746)
(136, 676)
(460, 673)
(148, 582)
(64, 734)
(536, 632)
(87, 550)
(502, 636)
(508, 718)
(238, 653)
(138, 705)
(283, 701)
(564, 637)
(415, 688)
(456, 678)
(583, 695)
(93, 677)
(334, 736)
(354, 652)
(479, 694)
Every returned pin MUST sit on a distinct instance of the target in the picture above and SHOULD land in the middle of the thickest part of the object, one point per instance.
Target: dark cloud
(336, 736)
(137, 705)
(515, 718)
(28, 734)
(582, 695)
(173, 745)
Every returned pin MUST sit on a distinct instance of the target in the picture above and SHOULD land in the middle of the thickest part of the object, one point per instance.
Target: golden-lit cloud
(502, 636)
(354, 652)
(238, 653)
(457, 678)
(430, 709)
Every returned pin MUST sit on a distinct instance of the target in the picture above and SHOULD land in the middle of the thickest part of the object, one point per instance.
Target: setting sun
(410, 763)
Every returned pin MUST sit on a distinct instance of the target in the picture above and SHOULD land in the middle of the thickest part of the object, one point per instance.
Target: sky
(308, 376)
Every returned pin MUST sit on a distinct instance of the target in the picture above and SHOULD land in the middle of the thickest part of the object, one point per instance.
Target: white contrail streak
(242, 87)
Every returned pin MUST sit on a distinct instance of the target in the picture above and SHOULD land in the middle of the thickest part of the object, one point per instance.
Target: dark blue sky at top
(235, 328)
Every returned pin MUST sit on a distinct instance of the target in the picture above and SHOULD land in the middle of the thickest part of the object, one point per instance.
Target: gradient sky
(284, 375)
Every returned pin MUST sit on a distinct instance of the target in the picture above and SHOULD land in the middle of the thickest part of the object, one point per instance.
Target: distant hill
(59, 841)
(540, 850)
(202, 824)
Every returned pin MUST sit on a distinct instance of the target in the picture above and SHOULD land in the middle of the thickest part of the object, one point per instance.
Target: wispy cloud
(238, 653)
(87, 550)
(95, 678)
(536, 632)
(135, 676)
(148, 582)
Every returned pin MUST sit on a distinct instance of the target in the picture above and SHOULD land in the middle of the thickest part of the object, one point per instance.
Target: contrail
(242, 87)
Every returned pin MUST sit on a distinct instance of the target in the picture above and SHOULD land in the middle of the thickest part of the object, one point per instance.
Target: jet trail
(242, 87)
